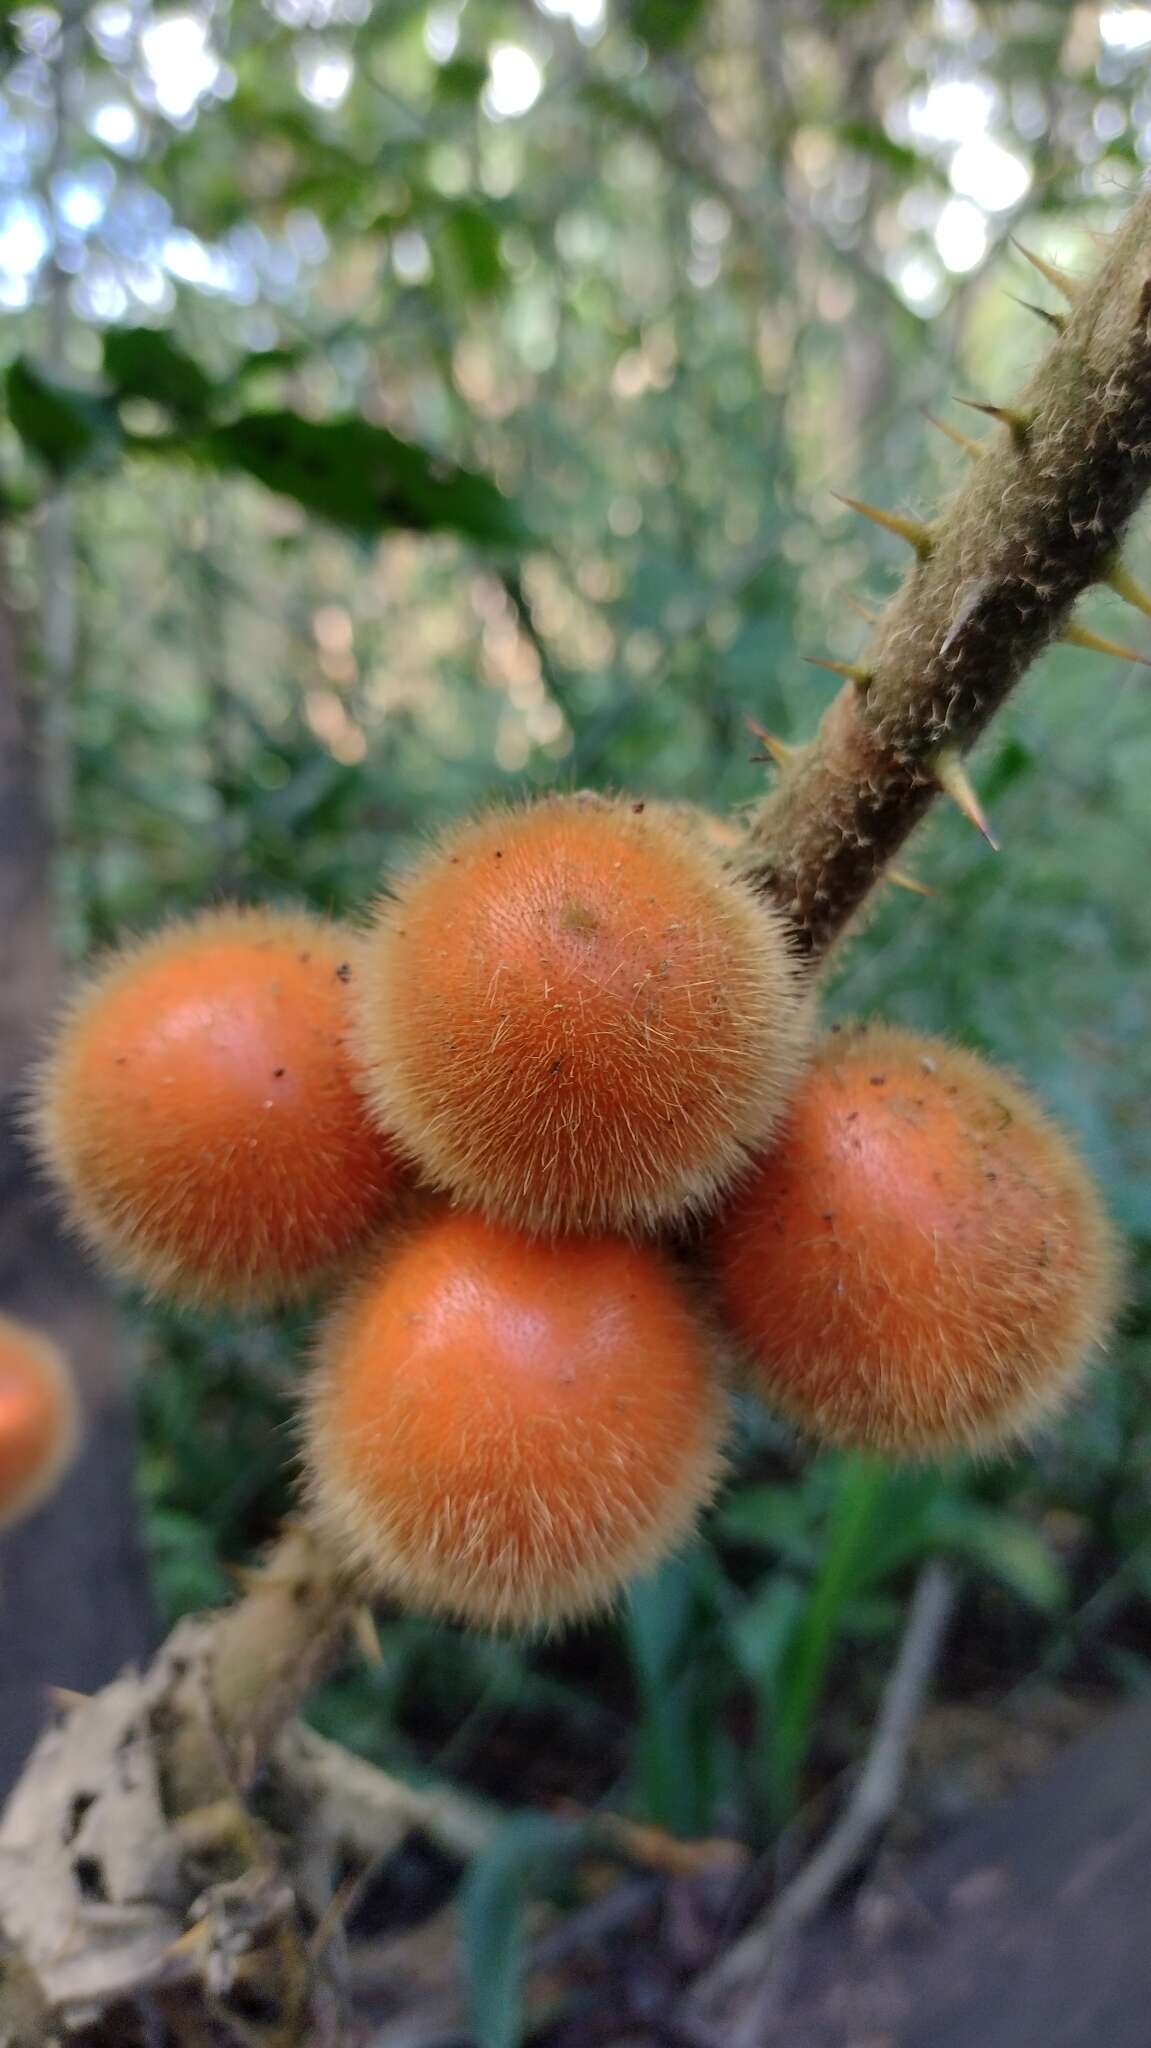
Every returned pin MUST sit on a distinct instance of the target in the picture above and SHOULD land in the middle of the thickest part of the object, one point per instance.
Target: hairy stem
(262, 1657)
(1039, 518)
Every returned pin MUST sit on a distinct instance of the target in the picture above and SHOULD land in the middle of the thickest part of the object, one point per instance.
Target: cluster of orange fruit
(553, 1131)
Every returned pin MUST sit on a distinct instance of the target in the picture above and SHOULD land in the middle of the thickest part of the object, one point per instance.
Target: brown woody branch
(1040, 517)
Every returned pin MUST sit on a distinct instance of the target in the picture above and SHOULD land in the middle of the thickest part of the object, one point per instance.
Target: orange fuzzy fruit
(201, 1116)
(505, 1429)
(921, 1263)
(573, 1017)
(38, 1421)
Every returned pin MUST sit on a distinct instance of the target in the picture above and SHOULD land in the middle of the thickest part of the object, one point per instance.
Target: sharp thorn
(366, 1636)
(967, 442)
(1056, 320)
(774, 749)
(1069, 287)
(1125, 585)
(197, 1936)
(853, 670)
(1076, 635)
(914, 531)
(902, 880)
(954, 781)
(64, 1700)
(1018, 424)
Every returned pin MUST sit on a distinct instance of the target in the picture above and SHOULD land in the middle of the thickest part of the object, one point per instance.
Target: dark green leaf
(1011, 764)
(144, 362)
(258, 360)
(666, 24)
(1005, 1548)
(493, 1899)
(764, 1634)
(775, 1518)
(61, 425)
(462, 78)
(363, 477)
(471, 238)
(872, 140)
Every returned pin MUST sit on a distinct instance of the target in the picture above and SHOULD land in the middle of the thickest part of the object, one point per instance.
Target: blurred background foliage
(415, 405)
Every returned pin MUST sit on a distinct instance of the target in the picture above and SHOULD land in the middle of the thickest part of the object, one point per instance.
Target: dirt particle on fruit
(878, 1080)
(639, 809)
(344, 971)
(278, 1073)
(580, 918)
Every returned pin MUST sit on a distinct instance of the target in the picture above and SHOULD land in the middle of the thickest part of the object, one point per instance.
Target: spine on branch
(1040, 516)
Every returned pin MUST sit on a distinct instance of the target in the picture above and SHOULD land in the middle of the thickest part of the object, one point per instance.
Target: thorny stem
(1039, 518)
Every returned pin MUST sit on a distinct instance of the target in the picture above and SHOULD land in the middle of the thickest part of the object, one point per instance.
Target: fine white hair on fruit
(200, 1115)
(505, 1430)
(921, 1264)
(575, 1017)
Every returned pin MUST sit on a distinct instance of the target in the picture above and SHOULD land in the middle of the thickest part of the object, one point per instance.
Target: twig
(360, 1808)
(557, 685)
(749, 1963)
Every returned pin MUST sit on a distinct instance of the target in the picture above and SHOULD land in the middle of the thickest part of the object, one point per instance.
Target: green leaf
(493, 1901)
(363, 477)
(874, 141)
(66, 428)
(461, 79)
(763, 1636)
(675, 1748)
(1011, 764)
(144, 362)
(471, 239)
(286, 356)
(1005, 1548)
(666, 24)
(775, 1518)
(860, 1485)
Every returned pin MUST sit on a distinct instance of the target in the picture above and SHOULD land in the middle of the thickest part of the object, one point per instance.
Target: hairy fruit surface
(504, 1429)
(38, 1418)
(574, 1018)
(921, 1263)
(202, 1118)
